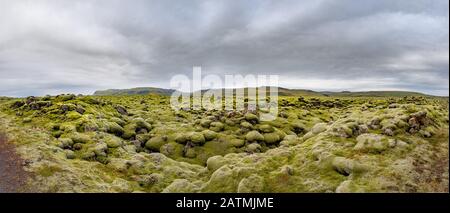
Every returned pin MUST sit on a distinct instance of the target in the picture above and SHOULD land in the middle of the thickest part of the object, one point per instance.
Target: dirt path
(12, 175)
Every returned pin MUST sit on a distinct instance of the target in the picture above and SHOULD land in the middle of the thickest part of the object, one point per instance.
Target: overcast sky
(51, 47)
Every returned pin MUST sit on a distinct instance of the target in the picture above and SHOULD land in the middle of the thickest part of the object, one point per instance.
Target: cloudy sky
(51, 47)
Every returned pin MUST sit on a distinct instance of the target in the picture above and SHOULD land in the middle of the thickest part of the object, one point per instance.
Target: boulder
(70, 154)
(77, 146)
(254, 136)
(142, 124)
(254, 148)
(182, 138)
(388, 132)
(129, 131)
(246, 125)
(217, 126)
(143, 138)
(65, 143)
(155, 143)
(215, 162)
(344, 187)
(347, 166)
(149, 180)
(417, 120)
(318, 128)
(121, 110)
(197, 138)
(113, 141)
(297, 127)
(17, 104)
(67, 107)
(118, 121)
(205, 123)
(118, 164)
(252, 184)
(180, 186)
(271, 138)
(114, 128)
(100, 149)
(237, 142)
(80, 110)
(88, 155)
(425, 133)
(361, 129)
(172, 149)
(73, 115)
(189, 152)
(266, 128)
(252, 118)
(222, 180)
(80, 138)
(369, 142)
(209, 134)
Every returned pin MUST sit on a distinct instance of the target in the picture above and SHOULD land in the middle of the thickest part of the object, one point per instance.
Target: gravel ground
(12, 175)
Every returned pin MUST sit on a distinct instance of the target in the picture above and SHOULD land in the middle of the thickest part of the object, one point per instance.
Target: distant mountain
(281, 92)
(297, 92)
(2, 98)
(303, 92)
(135, 91)
(374, 94)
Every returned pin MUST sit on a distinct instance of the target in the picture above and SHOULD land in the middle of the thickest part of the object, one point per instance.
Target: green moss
(80, 138)
(371, 143)
(266, 128)
(68, 127)
(182, 138)
(73, 115)
(65, 142)
(254, 136)
(70, 154)
(172, 150)
(197, 138)
(213, 148)
(156, 142)
(205, 123)
(254, 148)
(271, 138)
(141, 123)
(237, 142)
(215, 162)
(115, 128)
(129, 131)
(47, 170)
(315, 145)
(216, 126)
(251, 118)
(252, 184)
(209, 135)
(246, 125)
(112, 141)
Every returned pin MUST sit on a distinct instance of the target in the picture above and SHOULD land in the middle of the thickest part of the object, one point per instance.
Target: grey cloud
(61, 46)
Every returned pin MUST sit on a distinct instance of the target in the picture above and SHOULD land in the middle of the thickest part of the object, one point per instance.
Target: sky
(53, 47)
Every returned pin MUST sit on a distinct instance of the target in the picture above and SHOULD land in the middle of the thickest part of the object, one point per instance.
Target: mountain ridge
(282, 91)
(134, 91)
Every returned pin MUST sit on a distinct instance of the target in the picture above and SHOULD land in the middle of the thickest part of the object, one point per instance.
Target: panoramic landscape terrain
(89, 92)
(133, 141)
